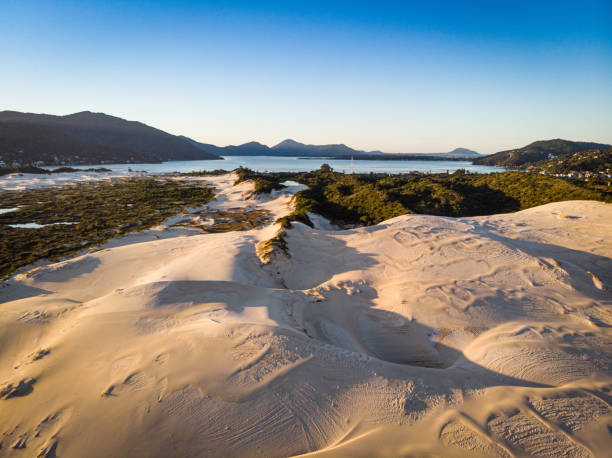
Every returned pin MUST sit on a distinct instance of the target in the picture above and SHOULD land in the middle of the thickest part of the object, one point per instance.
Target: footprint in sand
(48, 431)
(162, 358)
(48, 450)
(20, 443)
(17, 389)
(133, 382)
(40, 354)
(162, 388)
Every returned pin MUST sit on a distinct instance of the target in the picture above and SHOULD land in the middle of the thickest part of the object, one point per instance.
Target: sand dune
(484, 336)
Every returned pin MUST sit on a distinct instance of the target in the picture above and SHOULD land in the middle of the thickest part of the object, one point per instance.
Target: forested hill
(87, 138)
(594, 161)
(537, 151)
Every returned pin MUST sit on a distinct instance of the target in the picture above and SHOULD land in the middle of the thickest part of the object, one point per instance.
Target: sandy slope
(486, 335)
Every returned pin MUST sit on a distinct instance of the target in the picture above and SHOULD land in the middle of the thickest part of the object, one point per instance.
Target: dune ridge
(487, 336)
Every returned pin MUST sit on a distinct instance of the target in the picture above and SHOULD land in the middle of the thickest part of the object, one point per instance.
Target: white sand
(421, 335)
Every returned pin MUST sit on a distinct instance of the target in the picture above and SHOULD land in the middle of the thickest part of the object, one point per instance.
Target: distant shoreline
(300, 164)
(390, 157)
(394, 157)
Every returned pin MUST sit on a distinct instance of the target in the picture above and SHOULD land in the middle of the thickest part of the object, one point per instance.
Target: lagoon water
(296, 164)
(23, 181)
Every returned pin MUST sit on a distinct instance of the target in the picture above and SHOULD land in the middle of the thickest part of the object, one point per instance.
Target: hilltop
(87, 138)
(292, 148)
(537, 151)
(285, 148)
(462, 152)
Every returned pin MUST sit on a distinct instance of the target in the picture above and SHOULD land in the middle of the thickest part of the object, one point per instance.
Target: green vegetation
(236, 219)
(200, 173)
(264, 182)
(40, 171)
(593, 162)
(372, 198)
(101, 210)
(266, 248)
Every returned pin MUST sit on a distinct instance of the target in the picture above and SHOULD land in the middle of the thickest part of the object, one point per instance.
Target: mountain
(211, 149)
(462, 152)
(285, 148)
(25, 144)
(537, 151)
(246, 149)
(87, 138)
(457, 153)
(252, 148)
(291, 147)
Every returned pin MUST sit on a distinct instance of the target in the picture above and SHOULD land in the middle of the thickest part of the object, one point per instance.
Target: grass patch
(266, 248)
(238, 219)
(264, 182)
(40, 171)
(101, 210)
(200, 173)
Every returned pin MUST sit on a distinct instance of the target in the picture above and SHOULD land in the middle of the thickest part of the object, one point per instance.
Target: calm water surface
(296, 164)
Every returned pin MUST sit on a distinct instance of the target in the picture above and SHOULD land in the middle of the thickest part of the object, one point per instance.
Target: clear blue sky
(399, 76)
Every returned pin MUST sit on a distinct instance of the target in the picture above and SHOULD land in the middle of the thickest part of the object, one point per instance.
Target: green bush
(372, 198)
